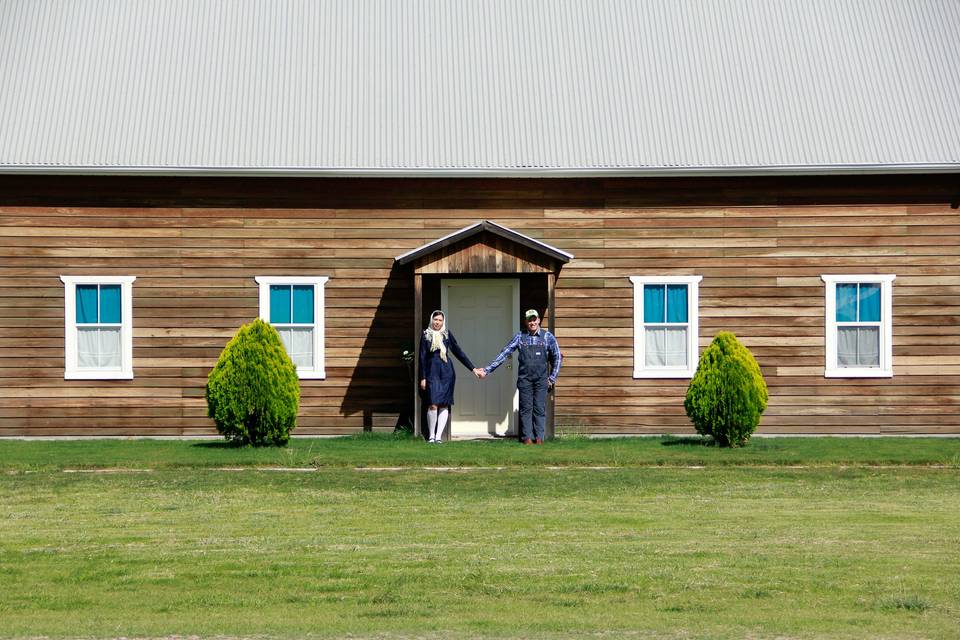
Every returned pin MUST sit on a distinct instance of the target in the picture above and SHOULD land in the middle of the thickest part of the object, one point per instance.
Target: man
(539, 365)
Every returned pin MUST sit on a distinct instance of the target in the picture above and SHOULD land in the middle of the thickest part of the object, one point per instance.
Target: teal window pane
(86, 304)
(303, 304)
(279, 304)
(846, 303)
(869, 303)
(653, 303)
(676, 303)
(110, 303)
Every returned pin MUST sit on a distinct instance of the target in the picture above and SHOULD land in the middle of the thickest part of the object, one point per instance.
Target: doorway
(483, 313)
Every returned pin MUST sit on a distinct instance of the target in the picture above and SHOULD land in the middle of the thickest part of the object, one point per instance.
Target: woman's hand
(423, 384)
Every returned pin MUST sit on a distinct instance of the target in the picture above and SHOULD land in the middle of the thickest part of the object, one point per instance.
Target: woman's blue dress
(440, 375)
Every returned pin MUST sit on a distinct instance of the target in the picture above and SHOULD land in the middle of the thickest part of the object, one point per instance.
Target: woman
(437, 377)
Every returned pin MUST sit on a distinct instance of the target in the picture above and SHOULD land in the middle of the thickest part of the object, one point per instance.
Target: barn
(645, 173)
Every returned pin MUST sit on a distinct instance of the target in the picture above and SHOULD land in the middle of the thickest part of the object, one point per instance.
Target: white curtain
(868, 345)
(858, 346)
(110, 348)
(98, 348)
(666, 347)
(88, 348)
(677, 347)
(299, 345)
(655, 347)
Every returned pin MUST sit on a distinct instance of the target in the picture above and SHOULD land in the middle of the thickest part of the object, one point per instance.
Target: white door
(482, 314)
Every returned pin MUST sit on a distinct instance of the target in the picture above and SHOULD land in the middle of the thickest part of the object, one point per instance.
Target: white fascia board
(498, 172)
(291, 279)
(97, 279)
(438, 241)
(831, 278)
(544, 245)
(508, 232)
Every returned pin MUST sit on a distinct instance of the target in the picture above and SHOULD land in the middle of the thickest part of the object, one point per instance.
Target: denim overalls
(532, 376)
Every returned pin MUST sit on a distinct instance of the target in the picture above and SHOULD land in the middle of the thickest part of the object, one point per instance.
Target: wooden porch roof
(475, 230)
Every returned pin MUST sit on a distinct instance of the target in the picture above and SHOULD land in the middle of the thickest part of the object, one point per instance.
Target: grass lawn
(746, 546)
(385, 450)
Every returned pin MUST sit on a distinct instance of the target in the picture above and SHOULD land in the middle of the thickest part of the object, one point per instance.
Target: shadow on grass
(360, 436)
(691, 441)
(222, 444)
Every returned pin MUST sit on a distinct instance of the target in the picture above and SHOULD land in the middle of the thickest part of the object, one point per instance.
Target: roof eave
(498, 172)
(478, 227)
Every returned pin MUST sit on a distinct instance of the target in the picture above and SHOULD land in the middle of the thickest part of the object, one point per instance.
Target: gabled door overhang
(483, 249)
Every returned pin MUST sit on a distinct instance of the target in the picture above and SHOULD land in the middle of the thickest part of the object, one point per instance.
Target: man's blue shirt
(541, 338)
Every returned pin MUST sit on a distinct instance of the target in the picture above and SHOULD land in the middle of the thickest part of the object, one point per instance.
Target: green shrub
(253, 393)
(727, 393)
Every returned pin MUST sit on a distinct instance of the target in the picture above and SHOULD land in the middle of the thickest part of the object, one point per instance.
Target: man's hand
(551, 384)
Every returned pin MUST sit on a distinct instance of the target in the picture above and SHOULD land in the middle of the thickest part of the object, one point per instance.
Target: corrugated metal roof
(479, 87)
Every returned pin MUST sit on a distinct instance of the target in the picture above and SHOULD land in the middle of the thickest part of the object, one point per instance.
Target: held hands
(480, 373)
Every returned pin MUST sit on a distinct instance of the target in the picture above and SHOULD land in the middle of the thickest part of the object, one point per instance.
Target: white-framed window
(98, 327)
(294, 306)
(859, 326)
(665, 326)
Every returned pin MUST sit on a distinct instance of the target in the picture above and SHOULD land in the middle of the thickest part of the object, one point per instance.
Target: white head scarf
(436, 337)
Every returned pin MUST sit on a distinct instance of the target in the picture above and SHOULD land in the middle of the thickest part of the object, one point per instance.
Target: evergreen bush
(253, 393)
(727, 393)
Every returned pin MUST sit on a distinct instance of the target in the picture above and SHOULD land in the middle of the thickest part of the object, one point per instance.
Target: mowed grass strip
(720, 552)
(387, 450)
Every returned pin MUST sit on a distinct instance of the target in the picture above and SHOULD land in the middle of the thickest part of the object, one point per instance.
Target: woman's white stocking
(432, 422)
(442, 421)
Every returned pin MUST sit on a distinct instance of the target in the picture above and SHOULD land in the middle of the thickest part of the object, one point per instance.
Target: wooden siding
(761, 245)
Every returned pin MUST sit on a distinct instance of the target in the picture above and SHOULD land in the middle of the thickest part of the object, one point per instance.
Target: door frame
(445, 283)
